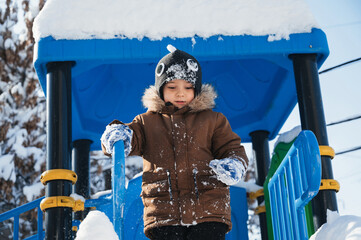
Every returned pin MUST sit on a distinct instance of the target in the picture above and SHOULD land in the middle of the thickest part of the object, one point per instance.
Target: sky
(341, 96)
(341, 21)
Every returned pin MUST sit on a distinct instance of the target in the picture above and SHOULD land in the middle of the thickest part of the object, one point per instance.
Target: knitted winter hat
(178, 65)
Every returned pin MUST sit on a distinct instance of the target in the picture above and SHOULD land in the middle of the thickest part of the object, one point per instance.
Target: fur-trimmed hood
(205, 100)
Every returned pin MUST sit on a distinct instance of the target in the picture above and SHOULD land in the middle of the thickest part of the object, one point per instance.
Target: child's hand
(114, 133)
(229, 171)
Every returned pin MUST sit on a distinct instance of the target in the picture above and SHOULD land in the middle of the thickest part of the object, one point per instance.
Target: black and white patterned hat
(178, 65)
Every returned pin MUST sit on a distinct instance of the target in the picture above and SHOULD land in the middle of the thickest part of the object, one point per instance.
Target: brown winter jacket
(179, 187)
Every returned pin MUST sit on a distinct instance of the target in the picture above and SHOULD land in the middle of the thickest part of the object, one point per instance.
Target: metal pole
(58, 220)
(81, 166)
(312, 118)
(262, 156)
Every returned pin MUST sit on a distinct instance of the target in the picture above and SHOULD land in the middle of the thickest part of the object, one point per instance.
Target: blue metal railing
(296, 181)
(118, 186)
(294, 184)
(15, 214)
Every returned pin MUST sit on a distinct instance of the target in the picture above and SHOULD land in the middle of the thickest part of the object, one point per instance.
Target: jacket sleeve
(137, 138)
(226, 143)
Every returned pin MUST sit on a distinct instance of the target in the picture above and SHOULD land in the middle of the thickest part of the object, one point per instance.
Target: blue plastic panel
(296, 181)
(253, 77)
(239, 214)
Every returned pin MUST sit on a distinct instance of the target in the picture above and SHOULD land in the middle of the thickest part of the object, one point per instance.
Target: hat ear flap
(161, 92)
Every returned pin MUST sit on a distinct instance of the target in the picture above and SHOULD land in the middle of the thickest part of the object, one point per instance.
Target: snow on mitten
(114, 133)
(229, 171)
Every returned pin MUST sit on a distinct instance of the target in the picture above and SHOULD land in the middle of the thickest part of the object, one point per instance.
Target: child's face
(179, 92)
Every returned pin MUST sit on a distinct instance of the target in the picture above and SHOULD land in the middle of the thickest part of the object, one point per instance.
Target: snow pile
(77, 197)
(107, 19)
(96, 226)
(288, 136)
(100, 194)
(249, 186)
(338, 227)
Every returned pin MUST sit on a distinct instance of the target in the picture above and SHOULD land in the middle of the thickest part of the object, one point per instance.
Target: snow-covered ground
(339, 228)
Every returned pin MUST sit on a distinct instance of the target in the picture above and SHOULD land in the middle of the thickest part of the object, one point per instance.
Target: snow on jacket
(179, 187)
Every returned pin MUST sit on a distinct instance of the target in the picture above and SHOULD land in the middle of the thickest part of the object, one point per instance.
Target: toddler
(190, 153)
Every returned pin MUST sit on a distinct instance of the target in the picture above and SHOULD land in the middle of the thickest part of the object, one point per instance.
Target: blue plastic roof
(253, 77)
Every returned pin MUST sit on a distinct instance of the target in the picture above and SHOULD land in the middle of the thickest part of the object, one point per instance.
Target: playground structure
(258, 83)
(300, 186)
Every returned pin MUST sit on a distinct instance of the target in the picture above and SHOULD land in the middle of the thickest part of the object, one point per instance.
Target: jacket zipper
(195, 171)
(170, 186)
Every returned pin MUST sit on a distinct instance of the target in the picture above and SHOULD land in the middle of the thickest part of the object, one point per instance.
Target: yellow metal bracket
(329, 184)
(58, 174)
(62, 201)
(255, 195)
(327, 151)
(260, 209)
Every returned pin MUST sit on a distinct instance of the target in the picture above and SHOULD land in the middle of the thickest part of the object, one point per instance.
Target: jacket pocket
(206, 181)
(216, 202)
(156, 186)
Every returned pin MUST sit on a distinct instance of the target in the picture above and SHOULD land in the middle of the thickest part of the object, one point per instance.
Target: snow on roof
(107, 19)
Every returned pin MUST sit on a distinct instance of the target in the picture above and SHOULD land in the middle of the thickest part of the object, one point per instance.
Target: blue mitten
(229, 171)
(114, 133)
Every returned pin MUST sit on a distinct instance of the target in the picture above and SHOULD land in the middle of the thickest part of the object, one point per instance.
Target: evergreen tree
(22, 109)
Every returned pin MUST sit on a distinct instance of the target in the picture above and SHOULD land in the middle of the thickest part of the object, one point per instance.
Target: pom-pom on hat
(178, 65)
